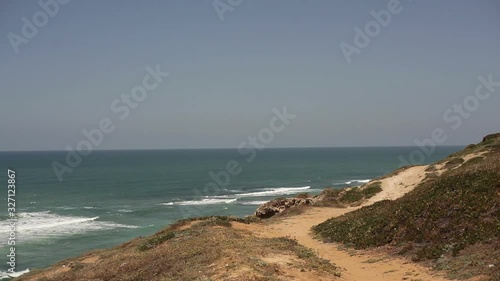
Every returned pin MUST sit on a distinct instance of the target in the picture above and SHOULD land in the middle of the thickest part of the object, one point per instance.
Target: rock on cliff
(279, 205)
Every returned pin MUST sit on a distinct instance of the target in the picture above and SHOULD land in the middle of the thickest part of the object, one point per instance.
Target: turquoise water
(114, 196)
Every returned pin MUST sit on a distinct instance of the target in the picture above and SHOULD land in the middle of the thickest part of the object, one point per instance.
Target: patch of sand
(398, 185)
(360, 266)
(440, 168)
(474, 155)
(90, 260)
(357, 265)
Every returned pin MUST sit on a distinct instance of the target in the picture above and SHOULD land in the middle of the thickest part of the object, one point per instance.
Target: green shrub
(217, 221)
(304, 195)
(347, 196)
(452, 218)
(454, 162)
(475, 160)
(459, 208)
(352, 195)
(372, 189)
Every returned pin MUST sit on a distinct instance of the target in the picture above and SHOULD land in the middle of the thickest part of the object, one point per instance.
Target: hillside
(196, 249)
(450, 218)
(445, 215)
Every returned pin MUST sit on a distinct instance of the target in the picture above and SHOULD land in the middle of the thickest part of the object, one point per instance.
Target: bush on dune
(351, 196)
(440, 217)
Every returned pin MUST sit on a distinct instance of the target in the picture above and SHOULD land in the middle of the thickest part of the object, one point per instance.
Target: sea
(114, 196)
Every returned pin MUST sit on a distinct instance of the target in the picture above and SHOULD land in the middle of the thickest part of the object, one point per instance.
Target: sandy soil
(356, 265)
(400, 184)
(473, 155)
(440, 168)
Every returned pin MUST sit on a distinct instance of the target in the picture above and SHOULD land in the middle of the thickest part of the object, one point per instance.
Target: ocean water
(114, 196)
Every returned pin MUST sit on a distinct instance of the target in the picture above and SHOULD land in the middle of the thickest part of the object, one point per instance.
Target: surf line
(249, 148)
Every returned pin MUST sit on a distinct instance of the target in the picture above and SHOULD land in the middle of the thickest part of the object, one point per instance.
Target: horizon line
(232, 148)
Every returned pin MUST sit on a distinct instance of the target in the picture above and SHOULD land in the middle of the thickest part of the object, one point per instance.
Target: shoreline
(389, 191)
(291, 222)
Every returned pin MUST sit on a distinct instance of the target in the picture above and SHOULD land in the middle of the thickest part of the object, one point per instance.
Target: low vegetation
(183, 222)
(451, 221)
(440, 220)
(196, 249)
(303, 195)
(475, 160)
(454, 162)
(346, 197)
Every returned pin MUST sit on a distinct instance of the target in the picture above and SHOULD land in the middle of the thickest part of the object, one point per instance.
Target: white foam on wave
(231, 198)
(66, 208)
(267, 192)
(257, 203)
(40, 225)
(352, 182)
(6, 275)
(76, 208)
(206, 201)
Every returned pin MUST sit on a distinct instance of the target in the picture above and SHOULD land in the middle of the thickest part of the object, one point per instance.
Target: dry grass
(476, 259)
(209, 249)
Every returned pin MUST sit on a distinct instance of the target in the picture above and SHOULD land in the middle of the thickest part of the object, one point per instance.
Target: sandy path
(357, 265)
(400, 184)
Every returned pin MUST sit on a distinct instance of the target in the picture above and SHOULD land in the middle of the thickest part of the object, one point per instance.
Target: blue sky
(227, 76)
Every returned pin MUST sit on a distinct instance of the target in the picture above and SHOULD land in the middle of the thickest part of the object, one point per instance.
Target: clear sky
(226, 76)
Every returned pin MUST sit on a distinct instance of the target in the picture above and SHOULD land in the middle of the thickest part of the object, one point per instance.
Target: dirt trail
(398, 185)
(356, 265)
(362, 265)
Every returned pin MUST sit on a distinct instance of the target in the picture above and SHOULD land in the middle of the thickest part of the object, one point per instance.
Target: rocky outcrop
(279, 205)
(491, 137)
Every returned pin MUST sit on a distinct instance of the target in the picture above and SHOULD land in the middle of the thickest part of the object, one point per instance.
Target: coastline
(297, 227)
(280, 242)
